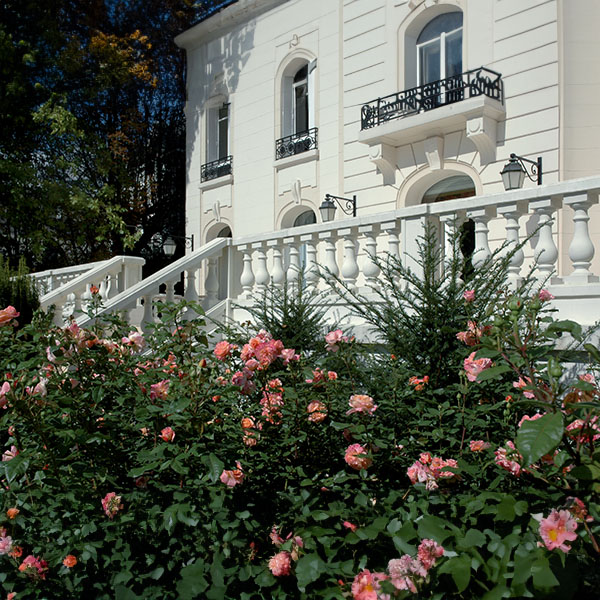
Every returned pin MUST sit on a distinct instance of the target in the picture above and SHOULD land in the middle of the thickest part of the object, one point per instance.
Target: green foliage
(89, 413)
(294, 313)
(17, 289)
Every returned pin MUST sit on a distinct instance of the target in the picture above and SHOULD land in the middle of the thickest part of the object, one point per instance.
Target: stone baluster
(330, 260)
(481, 216)
(371, 270)
(349, 265)
(277, 273)
(451, 224)
(247, 276)
(311, 268)
(262, 274)
(393, 239)
(211, 283)
(546, 251)
(84, 299)
(511, 214)
(148, 314)
(293, 269)
(191, 293)
(169, 291)
(581, 250)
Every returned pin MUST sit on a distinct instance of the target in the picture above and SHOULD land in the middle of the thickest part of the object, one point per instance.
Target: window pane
(301, 100)
(223, 133)
(454, 53)
(429, 62)
(446, 22)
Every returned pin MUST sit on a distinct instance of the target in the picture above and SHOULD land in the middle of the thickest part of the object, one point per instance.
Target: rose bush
(162, 466)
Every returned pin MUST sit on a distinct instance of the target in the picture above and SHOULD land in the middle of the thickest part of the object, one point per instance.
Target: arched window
(439, 48)
(306, 218)
(297, 102)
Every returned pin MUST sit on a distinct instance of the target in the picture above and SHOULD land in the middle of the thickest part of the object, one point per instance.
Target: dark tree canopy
(92, 131)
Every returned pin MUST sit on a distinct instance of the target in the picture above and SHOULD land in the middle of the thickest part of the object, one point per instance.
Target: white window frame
(288, 99)
(213, 141)
(441, 40)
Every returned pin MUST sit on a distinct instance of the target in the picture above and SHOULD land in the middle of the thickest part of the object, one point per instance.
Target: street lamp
(515, 170)
(328, 208)
(169, 245)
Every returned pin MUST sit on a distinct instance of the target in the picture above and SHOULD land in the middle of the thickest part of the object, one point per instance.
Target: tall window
(300, 95)
(439, 48)
(217, 146)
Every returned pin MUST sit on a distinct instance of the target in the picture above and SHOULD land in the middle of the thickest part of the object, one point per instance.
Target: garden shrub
(17, 289)
(165, 466)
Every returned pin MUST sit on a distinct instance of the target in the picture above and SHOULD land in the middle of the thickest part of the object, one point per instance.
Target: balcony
(474, 98)
(216, 168)
(297, 143)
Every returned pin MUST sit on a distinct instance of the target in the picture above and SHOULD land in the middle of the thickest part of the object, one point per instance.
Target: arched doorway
(222, 270)
(308, 217)
(453, 188)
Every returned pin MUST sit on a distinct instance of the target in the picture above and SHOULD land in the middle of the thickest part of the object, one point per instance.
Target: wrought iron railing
(476, 82)
(296, 143)
(216, 168)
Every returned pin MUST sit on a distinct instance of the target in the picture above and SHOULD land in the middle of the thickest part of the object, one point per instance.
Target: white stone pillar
(247, 276)
(350, 265)
(512, 213)
(581, 250)
(546, 251)
(481, 218)
(371, 270)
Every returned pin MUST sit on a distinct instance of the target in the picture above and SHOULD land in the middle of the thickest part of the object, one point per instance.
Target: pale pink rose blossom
(545, 296)
(8, 314)
(333, 339)
(10, 454)
(429, 551)
(35, 567)
(366, 586)
(4, 390)
(522, 383)
(350, 526)
(469, 295)
(317, 411)
(167, 434)
(528, 418)
(160, 390)
(361, 403)
(5, 544)
(478, 445)
(509, 459)
(136, 340)
(556, 529)
(353, 458)
(474, 366)
(111, 504)
(231, 477)
(281, 564)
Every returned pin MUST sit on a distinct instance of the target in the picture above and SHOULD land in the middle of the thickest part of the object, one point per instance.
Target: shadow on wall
(222, 75)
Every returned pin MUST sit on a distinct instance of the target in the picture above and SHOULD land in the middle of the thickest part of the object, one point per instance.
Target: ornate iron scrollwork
(296, 143)
(216, 168)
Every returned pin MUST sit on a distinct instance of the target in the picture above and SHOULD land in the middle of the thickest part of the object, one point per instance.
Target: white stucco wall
(547, 51)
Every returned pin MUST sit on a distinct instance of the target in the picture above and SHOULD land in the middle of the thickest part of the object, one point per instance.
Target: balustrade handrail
(66, 270)
(470, 84)
(95, 275)
(564, 188)
(149, 286)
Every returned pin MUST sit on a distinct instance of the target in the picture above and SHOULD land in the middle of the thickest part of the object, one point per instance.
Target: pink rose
(111, 504)
(509, 459)
(350, 526)
(361, 403)
(167, 434)
(160, 390)
(469, 295)
(354, 458)
(478, 445)
(317, 411)
(281, 564)
(366, 585)
(222, 350)
(545, 296)
(556, 529)
(333, 338)
(475, 366)
(233, 476)
(8, 314)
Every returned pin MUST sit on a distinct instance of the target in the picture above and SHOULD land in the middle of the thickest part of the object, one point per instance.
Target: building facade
(398, 102)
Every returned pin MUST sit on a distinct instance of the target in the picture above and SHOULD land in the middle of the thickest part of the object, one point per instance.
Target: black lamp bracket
(534, 173)
(348, 205)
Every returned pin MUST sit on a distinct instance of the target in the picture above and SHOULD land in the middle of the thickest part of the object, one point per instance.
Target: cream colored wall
(546, 50)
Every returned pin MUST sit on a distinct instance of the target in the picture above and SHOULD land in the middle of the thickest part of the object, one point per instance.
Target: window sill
(217, 182)
(303, 157)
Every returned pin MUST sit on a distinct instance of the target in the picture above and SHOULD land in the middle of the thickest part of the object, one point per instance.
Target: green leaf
(308, 569)
(192, 583)
(433, 528)
(594, 353)
(569, 326)
(493, 372)
(539, 437)
(215, 467)
(124, 593)
(473, 539)
(543, 577)
(460, 569)
(496, 593)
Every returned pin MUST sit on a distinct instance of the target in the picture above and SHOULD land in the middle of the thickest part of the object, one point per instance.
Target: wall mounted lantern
(328, 208)
(515, 170)
(169, 245)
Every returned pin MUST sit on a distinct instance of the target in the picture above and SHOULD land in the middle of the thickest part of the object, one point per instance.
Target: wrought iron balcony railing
(476, 82)
(216, 168)
(296, 143)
